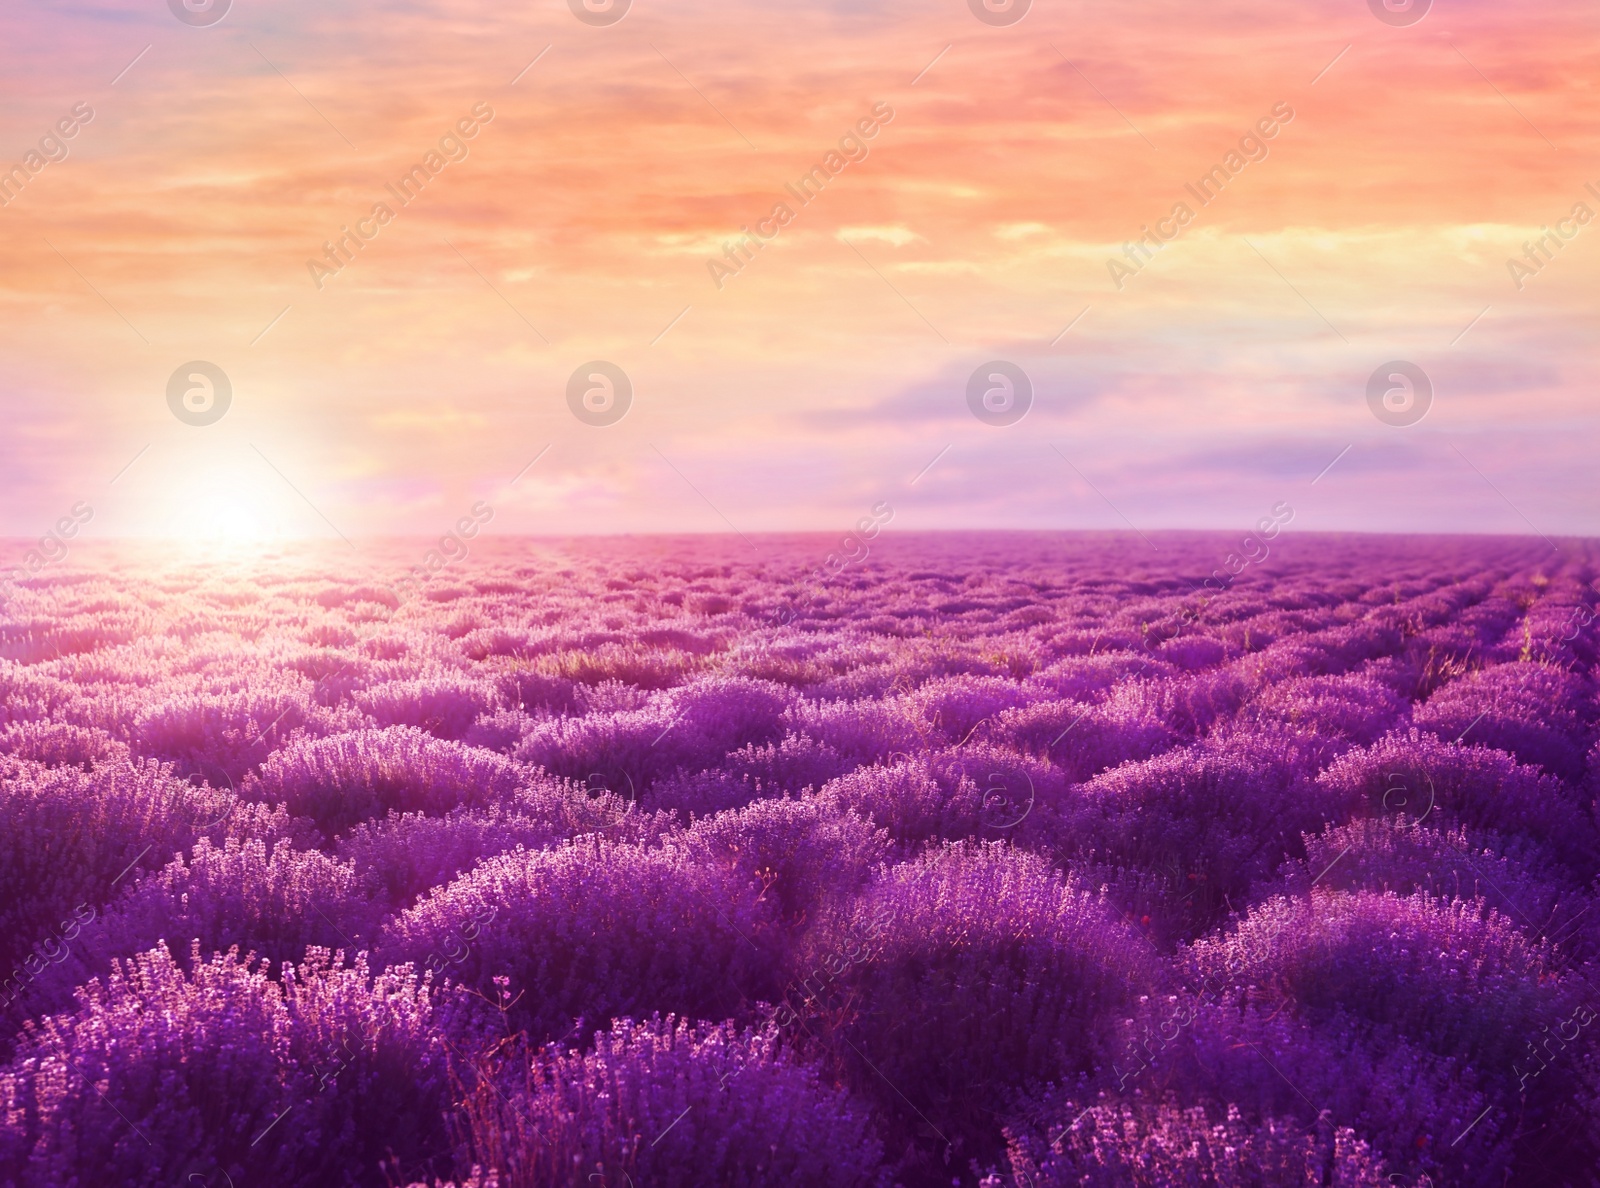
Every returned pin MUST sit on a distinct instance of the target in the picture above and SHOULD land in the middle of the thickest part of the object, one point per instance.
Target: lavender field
(965, 859)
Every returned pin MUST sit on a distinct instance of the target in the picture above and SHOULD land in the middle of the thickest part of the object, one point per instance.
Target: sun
(234, 517)
(229, 508)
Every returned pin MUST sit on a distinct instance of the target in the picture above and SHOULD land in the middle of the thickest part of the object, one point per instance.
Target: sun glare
(233, 519)
(231, 510)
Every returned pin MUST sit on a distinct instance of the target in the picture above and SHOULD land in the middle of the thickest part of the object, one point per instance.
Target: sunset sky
(832, 369)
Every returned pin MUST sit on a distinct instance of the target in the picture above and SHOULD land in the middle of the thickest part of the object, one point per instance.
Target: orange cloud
(580, 224)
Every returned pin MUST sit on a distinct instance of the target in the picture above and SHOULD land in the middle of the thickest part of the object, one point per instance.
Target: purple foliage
(1536, 712)
(443, 706)
(1347, 710)
(1092, 678)
(595, 929)
(977, 790)
(500, 730)
(1447, 784)
(1216, 1049)
(1442, 974)
(723, 713)
(160, 1075)
(225, 734)
(909, 799)
(69, 836)
(802, 854)
(1143, 1145)
(796, 764)
(1447, 977)
(1218, 816)
(268, 902)
(864, 731)
(624, 748)
(346, 778)
(956, 705)
(988, 972)
(688, 796)
(409, 854)
(988, 829)
(61, 744)
(1403, 855)
(534, 691)
(1084, 740)
(664, 1103)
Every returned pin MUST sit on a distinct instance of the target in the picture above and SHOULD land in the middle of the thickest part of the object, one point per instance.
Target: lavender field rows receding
(974, 859)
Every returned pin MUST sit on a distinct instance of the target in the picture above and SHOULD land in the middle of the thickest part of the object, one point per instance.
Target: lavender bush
(670, 1104)
(989, 972)
(1030, 859)
(160, 1075)
(1156, 1146)
(595, 929)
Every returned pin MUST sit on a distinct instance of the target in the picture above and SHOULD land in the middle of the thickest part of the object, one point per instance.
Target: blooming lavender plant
(1019, 856)
(666, 1103)
(595, 929)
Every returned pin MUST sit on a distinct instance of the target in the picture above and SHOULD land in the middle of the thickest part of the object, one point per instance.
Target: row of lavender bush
(1002, 859)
